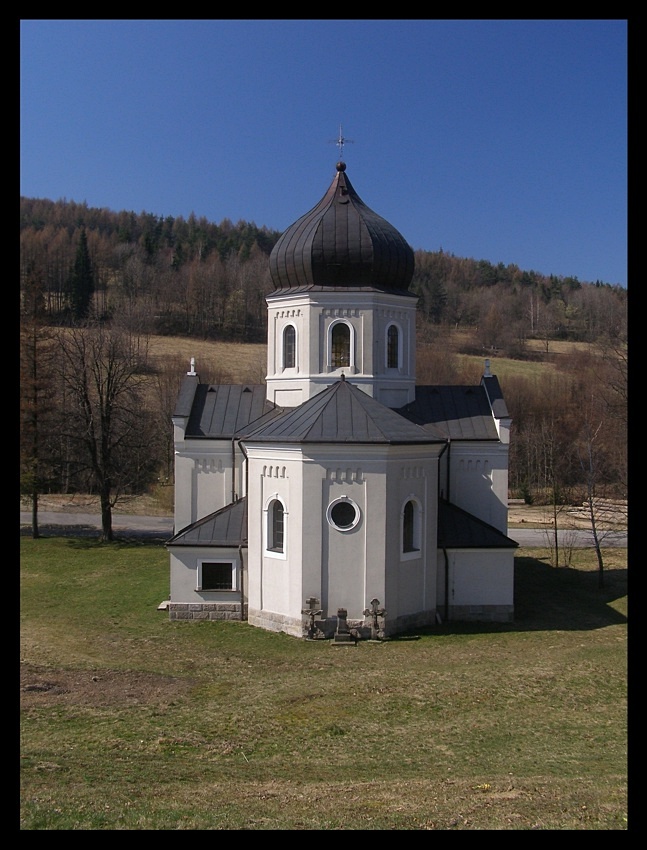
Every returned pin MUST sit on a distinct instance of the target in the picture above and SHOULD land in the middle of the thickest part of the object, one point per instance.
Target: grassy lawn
(129, 721)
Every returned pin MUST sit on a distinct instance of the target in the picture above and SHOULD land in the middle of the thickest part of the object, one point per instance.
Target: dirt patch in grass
(43, 687)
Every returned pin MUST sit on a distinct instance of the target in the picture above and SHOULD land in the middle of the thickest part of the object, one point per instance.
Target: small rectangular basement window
(216, 575)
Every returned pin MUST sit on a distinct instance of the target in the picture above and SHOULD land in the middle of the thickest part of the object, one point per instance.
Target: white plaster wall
(411, 577)
(310, 546)
(183, 489)
(203, 479)
(275, 580)
(354, 562)
(184, 575)
(254, 531)
(479, 481)
(344, 555)
(483, 577)
(275, 577)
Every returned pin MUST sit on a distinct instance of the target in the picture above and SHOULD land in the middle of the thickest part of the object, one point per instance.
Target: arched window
(289, 347)
(392, 348)
(276, 526)
(411, 527)
(340, 345)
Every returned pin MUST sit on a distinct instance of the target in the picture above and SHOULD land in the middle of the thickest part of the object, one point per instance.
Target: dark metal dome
(341, 243)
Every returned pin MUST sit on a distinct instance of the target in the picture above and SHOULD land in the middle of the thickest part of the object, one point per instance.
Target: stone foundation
(277, 622)
(481, 613)
(206, 611)
(298, 627)
(410, 622)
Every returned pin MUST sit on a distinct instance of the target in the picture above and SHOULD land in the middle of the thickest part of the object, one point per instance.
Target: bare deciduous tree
(589, 462)
(37, 406)
(104, 372)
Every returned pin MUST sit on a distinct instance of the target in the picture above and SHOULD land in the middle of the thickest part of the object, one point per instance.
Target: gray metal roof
(225, 528)
(490, 384)
(221, 411)
(225, 411)
(458, 529)
(459, 412)
(341, 243)
(342, 413)
(184, 401)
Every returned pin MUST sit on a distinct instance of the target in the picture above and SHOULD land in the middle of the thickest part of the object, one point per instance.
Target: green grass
(129, 721)
(504, 368)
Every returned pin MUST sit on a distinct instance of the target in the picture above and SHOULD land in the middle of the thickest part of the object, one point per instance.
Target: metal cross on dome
(340, 141)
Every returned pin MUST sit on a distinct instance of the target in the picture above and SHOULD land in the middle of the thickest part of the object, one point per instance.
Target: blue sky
(503, 140)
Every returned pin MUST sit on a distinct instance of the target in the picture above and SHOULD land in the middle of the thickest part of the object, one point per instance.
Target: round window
(343, 514)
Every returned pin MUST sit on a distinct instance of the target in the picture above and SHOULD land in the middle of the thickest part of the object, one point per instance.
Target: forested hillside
(196, 278)
(97, 285)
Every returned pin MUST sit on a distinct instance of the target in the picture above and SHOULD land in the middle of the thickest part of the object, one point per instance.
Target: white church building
(339, 499)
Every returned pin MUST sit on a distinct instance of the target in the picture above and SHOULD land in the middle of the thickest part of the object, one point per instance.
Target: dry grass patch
(215, 362)
(42, 687)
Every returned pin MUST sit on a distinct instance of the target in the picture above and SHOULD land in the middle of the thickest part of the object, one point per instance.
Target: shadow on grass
(549, 598)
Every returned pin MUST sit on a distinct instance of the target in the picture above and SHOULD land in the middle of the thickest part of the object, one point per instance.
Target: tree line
(96, 411)
(196, 278)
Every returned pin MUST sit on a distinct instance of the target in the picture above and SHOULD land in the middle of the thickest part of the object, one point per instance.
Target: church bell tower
(342, 304)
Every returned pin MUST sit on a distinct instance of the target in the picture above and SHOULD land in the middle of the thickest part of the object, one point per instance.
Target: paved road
(578, 538)
(157, 526)
(141, 526)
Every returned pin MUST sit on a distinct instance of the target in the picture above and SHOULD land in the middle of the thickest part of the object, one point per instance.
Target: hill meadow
(234, 362)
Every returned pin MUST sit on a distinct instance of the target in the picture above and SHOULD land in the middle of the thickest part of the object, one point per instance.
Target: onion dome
(341, 244)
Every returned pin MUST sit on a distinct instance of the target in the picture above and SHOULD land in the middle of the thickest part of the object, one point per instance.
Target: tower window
(340, 346)
(289, 347)
(392, 348)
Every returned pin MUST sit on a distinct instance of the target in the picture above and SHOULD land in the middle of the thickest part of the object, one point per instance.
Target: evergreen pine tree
(81, 280)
